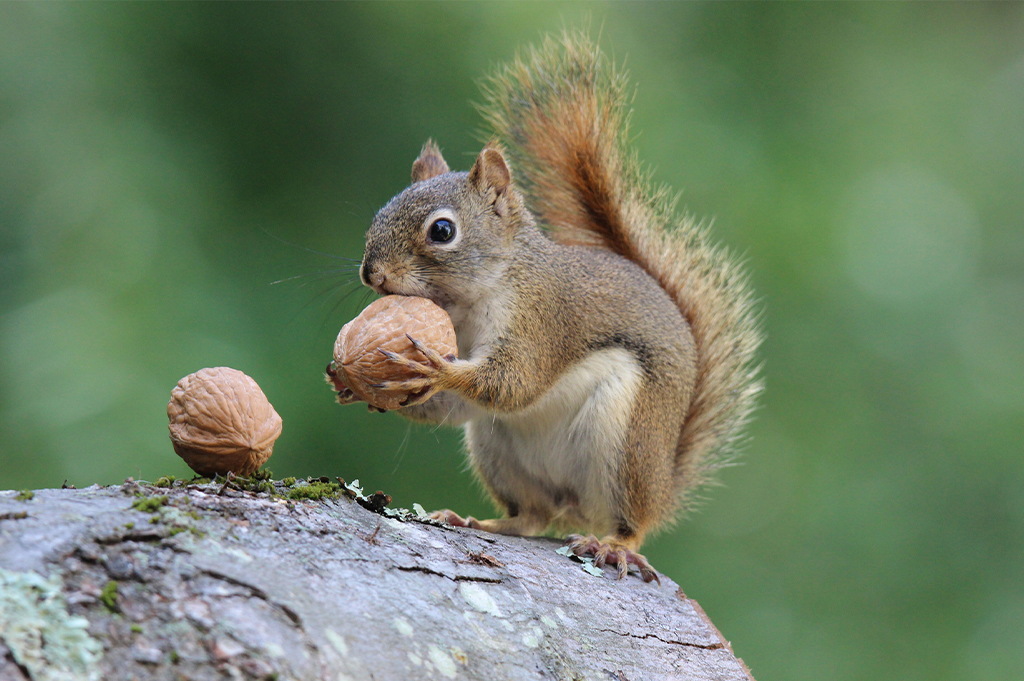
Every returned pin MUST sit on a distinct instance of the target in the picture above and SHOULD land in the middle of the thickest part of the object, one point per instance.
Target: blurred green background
(867, 161)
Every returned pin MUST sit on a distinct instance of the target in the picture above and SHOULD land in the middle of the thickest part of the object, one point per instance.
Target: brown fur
(617, 326)
(563, 112)
(429, 164)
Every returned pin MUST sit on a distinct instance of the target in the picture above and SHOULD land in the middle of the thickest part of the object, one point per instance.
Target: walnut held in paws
(221, 421)
(386, 324)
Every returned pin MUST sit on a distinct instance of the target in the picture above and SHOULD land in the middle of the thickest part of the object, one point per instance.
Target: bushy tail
(563, 112)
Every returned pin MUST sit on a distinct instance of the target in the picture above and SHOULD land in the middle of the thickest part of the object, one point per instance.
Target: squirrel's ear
(491, 177)
(429, 164)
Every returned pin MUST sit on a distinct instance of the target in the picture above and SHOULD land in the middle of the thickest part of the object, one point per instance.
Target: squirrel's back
(562, 111)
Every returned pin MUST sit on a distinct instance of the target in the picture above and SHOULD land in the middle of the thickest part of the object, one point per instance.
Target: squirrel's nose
(371, 276)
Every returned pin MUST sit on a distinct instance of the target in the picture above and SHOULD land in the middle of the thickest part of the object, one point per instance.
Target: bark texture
(121, 583)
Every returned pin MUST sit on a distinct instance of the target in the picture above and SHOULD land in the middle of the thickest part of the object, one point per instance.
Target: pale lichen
(442, 661)
(36, 627)
(338, 641)
(402, 626)
(475, 595)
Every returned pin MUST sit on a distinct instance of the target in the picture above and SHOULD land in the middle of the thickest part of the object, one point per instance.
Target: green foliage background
(868, 161)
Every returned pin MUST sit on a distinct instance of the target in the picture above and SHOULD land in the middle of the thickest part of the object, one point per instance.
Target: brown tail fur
(563, 112)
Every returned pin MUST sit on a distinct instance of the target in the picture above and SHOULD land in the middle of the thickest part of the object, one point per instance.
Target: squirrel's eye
(442, 231)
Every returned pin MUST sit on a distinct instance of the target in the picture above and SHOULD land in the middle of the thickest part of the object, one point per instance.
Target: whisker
(308, 250)
(334, 309)
(402, 448)
(348, 281)
(318, 274)
(325, 292)
(442, 421)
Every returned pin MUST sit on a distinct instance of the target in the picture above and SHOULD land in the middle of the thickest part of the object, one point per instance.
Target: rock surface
(241, 584)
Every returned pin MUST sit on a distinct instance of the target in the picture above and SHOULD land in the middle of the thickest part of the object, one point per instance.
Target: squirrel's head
(445, 237)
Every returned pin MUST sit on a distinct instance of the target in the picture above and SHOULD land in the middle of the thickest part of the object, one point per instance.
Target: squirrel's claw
(418, 397)
(418, 390)
(407, 385)
(434, 358)
(334, 379)
(430, 374)
(410, 364)
(434, 365)
(609, 552)
(346, 396)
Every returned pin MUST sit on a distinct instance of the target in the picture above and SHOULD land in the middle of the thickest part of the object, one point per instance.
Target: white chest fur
(569, 440)
(477, 326)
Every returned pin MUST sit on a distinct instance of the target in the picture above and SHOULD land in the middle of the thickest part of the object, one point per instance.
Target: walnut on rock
(386, 324)
(221, 421)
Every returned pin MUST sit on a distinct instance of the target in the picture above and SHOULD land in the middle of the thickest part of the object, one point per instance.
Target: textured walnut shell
(221, 421)
(383, 325)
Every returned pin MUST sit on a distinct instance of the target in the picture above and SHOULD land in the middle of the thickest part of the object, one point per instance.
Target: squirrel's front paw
(431, 375)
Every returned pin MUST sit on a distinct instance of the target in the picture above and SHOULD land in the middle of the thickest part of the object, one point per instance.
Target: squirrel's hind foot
(522, 526)
(608, 551)
(452, 518)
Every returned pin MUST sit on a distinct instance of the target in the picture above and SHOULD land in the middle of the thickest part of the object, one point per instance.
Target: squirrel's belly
(566, 446)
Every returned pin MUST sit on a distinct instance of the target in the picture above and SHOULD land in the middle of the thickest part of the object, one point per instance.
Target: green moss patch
(149, 504)
(315, 491)
(109, 596)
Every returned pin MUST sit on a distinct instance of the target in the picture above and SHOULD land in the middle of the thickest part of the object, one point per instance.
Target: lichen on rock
(44, 639)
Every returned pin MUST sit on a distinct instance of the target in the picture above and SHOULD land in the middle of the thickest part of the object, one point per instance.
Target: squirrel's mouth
(399, 281)
(399, 286)
(393, 288)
